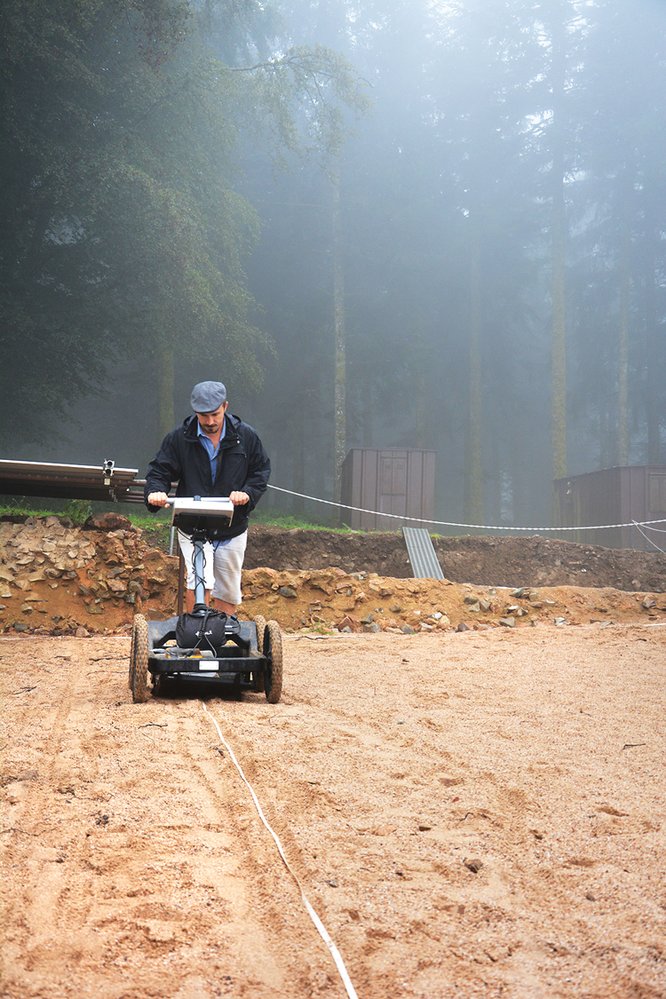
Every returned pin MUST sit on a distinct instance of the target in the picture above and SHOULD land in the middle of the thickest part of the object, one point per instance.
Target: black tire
(273, 668)
(158, 684)
(140, 691)
(130, 678)
(261, 625)
(258, 674)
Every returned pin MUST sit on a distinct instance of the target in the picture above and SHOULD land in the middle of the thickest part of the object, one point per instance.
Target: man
(213, 453)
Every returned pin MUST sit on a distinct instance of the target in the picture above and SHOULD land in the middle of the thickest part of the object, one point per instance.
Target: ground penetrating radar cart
(205, 645)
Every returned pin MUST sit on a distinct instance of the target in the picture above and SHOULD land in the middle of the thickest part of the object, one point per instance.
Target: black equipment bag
(205, 631)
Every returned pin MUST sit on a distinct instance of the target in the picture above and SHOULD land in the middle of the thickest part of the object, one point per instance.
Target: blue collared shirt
(210, 447)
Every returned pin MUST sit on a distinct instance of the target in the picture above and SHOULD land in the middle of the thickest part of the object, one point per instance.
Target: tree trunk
(558, 252)
(165, 383)
(474, 462)
(340, 341)
(298, 456)
(623, 352)
(653, 346)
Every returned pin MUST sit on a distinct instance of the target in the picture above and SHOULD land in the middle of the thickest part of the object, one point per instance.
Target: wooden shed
(618, 495)
(392, 480)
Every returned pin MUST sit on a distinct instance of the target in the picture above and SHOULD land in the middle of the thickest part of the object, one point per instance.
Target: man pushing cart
(222, 471)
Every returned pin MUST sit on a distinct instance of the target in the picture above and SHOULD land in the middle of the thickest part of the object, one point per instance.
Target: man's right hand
(158, 499)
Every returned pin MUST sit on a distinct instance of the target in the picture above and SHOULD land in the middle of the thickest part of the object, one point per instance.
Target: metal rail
(50, 479)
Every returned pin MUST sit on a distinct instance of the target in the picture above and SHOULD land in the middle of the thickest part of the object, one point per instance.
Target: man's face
(211, 423)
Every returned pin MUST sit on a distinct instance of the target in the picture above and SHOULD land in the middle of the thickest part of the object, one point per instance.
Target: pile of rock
(54, 576)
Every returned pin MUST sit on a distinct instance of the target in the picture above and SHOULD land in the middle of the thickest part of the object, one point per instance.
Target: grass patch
(156, 525)
(290, 523)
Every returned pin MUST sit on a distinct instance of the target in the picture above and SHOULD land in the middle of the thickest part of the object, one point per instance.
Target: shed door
(656, 494)
(393, 483)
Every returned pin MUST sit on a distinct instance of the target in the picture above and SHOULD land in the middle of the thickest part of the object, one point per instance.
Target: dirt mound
(485, 561)
(59, 579)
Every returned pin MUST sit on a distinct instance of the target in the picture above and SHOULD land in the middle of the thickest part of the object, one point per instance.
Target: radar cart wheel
(273, 669)
(139, 660)
(258, 674)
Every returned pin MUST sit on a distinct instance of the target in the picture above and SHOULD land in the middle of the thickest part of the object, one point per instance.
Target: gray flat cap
(208, 396)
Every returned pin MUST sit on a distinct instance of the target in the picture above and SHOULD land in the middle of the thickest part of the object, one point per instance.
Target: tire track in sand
(137, 866)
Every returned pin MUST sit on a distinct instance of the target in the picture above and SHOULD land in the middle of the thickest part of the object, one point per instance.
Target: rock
(473, 864)
(648, 603)
(372, 627)
(559, 621)
(407, 629)
(346, 624)
(463, 627)
(19, 626)
(507, 622)
(108, 522)
(81, 632)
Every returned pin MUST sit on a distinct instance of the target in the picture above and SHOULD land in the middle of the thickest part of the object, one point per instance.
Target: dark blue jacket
(242, 464)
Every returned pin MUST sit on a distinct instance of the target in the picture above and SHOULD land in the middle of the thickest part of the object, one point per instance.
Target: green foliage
(121, 228)
(156, 524)
(77, 511)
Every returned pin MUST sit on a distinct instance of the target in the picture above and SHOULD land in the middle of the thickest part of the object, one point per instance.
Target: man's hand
(239, 499)
(158, 499)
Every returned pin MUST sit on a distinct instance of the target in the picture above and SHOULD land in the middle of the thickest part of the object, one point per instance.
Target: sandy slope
(476, 814)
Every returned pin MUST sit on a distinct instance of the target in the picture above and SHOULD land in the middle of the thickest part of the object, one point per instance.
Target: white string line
(649, 540)
(475, 527)
(321, 929)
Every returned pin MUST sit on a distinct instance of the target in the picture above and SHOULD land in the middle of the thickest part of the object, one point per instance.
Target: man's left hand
(239, 499)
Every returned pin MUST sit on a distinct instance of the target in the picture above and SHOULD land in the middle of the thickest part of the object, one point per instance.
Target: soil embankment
(58, 579)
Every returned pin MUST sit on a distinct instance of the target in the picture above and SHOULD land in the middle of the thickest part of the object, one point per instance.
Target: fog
(409, 224)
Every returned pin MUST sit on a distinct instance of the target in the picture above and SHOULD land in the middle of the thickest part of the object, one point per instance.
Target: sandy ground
(475, 814)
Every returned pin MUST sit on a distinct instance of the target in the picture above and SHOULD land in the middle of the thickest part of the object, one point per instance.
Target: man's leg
(189, 600)
(222, 605)
(228, 562)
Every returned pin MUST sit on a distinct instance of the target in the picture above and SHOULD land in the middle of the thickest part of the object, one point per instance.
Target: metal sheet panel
(422, 555)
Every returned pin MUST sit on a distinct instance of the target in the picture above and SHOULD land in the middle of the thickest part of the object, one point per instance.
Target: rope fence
(647, 524)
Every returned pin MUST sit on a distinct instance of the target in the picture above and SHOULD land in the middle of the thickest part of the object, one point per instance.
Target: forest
(431, 224)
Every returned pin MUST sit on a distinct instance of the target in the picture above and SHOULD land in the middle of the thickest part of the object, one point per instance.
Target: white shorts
(223, 562)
